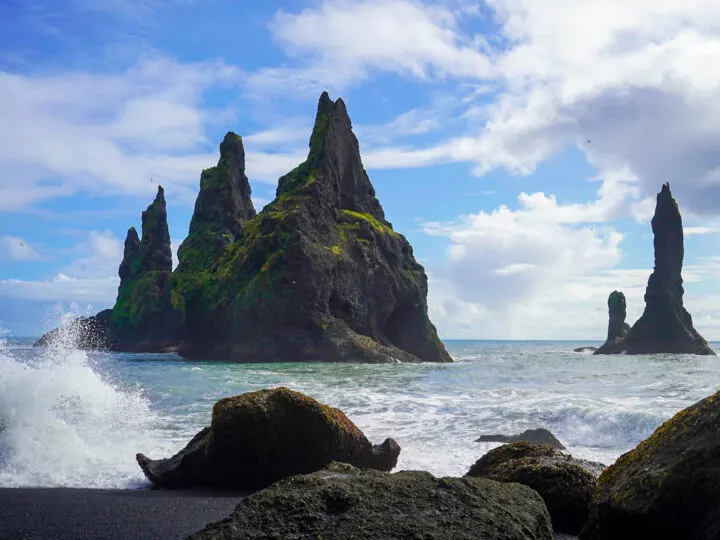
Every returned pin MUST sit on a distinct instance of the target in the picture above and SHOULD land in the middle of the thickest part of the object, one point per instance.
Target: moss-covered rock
(666, 487)
(222, 208)
(566, 484)
(344, 502)
(318, 275)
(260, 437)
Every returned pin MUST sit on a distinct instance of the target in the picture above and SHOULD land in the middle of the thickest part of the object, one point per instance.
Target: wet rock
(83, 333)
(344, 502)
(665, 326)
(260, 437)
(566, 484)
(534, 436)
(666, 487)
(585, 349)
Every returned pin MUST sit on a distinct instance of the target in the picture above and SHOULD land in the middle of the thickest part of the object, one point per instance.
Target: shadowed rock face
(665, 325)
(344, 502)
(666, 487)
(260, 437)
(566, 484)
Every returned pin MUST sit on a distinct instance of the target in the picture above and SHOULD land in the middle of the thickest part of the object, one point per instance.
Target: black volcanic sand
(103, 514)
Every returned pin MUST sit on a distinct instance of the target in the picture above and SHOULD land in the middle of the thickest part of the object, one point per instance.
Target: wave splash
(62, 423)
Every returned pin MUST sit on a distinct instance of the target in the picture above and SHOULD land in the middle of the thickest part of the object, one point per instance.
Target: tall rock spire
(334, 164)
(665, 325)
(221, 209)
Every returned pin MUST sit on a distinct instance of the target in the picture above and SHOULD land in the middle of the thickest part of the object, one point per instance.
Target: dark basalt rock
(566, 484)
(221, 209)
(260, 437)
(585, 349)
(143, 318)
(534, 436)
(84, 333)
(344, 502)
(667, 487)
(665, 325)
(618, 329)
(318, 275)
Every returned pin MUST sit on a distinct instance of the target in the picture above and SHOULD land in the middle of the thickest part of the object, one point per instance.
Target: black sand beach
(102, 514)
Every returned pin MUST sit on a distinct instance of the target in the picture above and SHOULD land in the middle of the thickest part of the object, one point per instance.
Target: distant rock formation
(666, 487)
(258, 438)
(344, 502)
(318, 275)
(665, 325)
(534, 436)
(565, 483)
(618, 329)
(585, 349)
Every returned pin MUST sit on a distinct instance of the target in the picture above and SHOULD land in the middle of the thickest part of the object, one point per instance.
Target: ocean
(77, 419)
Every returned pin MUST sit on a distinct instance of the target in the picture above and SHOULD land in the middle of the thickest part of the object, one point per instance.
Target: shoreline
(60, 513)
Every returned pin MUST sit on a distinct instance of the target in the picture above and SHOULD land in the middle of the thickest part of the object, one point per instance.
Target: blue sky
(518, 146)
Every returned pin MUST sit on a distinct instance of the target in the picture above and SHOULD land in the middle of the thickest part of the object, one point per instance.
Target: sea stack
(318, 275)
(143, 319)
(665, 325)
(618, 329)
(222, 208)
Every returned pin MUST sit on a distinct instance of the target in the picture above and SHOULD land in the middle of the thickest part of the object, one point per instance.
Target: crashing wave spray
(65, 424)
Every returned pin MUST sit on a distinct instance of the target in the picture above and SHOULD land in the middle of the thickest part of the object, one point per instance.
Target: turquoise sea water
(69, 418)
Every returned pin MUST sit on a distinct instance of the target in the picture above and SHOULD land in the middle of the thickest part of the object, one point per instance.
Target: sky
(517, 144)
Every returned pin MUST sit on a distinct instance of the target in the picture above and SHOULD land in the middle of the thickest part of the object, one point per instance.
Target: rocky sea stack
(665, 325)
(318, 275)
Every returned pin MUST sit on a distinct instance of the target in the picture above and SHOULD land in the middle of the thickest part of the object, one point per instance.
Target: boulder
(344, 502)
(666, 487)
(665, 326)
(534, 436)
(260, 437)
(566, 484)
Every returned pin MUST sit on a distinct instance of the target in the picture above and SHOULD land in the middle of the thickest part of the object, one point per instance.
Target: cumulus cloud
(17, 249)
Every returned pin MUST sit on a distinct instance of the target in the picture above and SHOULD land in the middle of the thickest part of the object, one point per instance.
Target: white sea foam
(65, 424)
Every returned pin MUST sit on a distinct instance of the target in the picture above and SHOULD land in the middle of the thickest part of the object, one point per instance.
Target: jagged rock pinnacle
(222, 207)
(155, 253)
(665, 325)
(132, 247)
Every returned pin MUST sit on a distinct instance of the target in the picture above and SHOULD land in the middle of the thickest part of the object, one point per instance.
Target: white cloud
(105, 133)
(341, 42)
(17, 249)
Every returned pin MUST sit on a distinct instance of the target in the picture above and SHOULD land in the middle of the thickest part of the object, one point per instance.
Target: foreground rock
(665, 325)
(566, 484)
(534, 436)
(344, 502)
(260, 437)
(667, 487)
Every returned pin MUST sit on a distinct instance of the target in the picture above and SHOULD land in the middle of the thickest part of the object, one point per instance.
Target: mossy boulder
(566, 484)
(344, 502)
(260, 437)
(666, 487)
